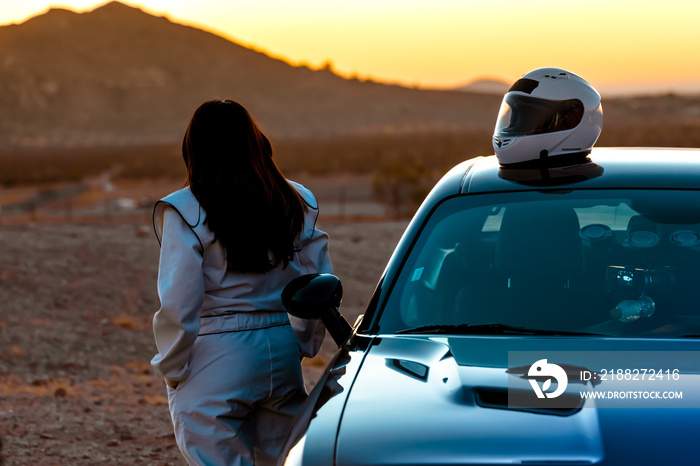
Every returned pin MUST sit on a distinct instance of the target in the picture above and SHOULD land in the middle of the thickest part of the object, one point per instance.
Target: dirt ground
(76, 303)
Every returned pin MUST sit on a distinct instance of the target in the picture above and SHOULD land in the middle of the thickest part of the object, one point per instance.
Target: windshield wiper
(490, 329)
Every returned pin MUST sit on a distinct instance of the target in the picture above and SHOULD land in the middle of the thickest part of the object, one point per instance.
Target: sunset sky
(614, 44)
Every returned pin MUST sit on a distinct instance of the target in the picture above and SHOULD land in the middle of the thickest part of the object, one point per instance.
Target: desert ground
(77, 294)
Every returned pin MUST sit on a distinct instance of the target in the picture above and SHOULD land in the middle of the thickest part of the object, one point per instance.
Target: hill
(486, 86)
(119, 76)
(113, 90)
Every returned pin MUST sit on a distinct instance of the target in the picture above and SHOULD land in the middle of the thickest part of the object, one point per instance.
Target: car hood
(442, 400)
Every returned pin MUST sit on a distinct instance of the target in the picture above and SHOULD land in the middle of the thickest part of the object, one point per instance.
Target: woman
(230, 241)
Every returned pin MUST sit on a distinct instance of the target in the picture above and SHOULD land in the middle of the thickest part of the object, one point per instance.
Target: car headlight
(295, 455)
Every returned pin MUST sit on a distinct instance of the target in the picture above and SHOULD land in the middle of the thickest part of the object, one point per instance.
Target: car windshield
(623, 263)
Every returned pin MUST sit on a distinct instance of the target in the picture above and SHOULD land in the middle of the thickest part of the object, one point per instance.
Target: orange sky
(445, 43)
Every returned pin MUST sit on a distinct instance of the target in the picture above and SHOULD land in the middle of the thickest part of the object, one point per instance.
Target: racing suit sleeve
(181, 292)
(313, 258)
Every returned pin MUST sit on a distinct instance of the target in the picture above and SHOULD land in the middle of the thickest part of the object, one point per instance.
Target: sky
(616, 45)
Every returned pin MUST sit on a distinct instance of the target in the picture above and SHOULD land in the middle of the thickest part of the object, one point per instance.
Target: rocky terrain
(76, 303)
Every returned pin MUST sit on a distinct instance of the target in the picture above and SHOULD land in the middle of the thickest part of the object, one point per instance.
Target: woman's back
(230, 241)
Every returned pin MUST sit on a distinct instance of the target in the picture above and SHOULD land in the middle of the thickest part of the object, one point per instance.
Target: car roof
(611, 168)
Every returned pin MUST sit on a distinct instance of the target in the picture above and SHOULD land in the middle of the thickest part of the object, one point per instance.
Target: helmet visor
(523, 115)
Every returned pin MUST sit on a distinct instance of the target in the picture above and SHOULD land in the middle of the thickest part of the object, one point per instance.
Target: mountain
(119, 76)
(486, 86)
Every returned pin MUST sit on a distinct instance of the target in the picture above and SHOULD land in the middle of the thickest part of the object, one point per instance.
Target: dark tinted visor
(523, 115)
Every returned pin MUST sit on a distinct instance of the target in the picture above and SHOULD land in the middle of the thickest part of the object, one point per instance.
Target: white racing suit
(224, 339)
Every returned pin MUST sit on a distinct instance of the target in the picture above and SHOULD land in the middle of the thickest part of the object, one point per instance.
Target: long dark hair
(250, 207)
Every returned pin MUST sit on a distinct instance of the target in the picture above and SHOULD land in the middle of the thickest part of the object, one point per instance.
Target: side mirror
(317, 296)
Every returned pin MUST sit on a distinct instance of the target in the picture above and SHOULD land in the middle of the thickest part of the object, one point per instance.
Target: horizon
(627, 49)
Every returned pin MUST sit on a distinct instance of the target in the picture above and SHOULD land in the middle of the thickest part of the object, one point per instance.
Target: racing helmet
(547, 112)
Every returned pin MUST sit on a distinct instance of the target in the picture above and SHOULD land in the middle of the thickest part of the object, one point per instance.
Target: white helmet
(547, 112)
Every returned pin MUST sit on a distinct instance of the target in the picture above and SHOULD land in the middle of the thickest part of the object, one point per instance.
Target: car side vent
(495, 398)
(411, 368)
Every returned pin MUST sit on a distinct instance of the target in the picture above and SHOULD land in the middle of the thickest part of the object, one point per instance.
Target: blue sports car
(547, 315)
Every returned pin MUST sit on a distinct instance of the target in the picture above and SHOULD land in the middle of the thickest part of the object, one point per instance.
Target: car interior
(586, 265)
